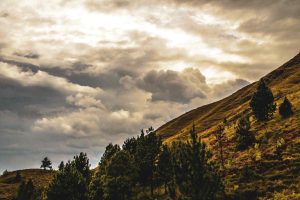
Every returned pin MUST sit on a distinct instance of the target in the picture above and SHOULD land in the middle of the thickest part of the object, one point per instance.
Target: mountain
(248, 174)
(275, 175)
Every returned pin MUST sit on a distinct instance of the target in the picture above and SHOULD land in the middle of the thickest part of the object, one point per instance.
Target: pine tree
(220, 137)
(195, 177)
(46, 163)
(68, 184)
(109, 152)
(285, 109)
(81, 163)
(165, 166)
(18, 177)
(61, 166)
(96, 187)
(148, 147)
(262, 102)
(120, 177)
(26, 191)
(243, 135)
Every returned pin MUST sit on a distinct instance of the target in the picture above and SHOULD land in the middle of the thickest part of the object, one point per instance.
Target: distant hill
(9, 187)
(276, 175)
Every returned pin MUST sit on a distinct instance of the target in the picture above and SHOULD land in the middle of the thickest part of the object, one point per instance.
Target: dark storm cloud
(174, 86)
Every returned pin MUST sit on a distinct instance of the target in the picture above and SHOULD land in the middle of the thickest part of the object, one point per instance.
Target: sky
(76, 75)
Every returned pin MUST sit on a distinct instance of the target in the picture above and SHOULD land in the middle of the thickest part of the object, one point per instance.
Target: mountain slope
(9, 187)
(270, 175)
(283, 81)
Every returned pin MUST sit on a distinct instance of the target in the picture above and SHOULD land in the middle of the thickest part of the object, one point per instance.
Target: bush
(285, 109)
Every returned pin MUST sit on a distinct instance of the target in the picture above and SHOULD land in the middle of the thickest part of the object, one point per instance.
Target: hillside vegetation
(269, 173)
(9, 185)
(236, 157)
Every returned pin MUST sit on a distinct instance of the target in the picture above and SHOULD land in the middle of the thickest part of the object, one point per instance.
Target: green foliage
(5, 173)
(26, 191)
(247, 174)
(195, 177)
(68, 184)
(96, 187)
(81, 163)
(148, 147)
(285, 109)
(109, 152)
(120, 177)
(130, 145)
(46, 163)
(61, 166)
(262, 102)
(244, 137)
(165, 167)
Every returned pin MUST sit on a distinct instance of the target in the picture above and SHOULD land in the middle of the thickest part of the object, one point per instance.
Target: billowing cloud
(174, 86)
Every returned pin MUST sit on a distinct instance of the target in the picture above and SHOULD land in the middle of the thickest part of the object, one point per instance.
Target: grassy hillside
(271, 174)
(9, 187)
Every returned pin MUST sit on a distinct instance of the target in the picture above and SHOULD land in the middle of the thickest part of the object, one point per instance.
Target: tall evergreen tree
(165, 166)
(262, 102)
(109, 152)
(220, 137)
(285, 109)
(148, 147)
(68, 184)
(26, 191)
(244, 137)
(195, 177)
(61, 166)
(81, 163)
(46, 163)
(120, 177)
(130, 145)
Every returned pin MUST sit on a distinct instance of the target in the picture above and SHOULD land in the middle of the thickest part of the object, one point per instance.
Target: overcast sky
(78, 74)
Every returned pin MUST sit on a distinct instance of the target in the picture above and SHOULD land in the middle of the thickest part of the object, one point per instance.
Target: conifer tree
(68, 184)
(244, 137)
(285, 109)
(18, 177)
(165, 166)
(220, 137)
(81, 163)
(148, 147)
(61, 166)
(46, 163)
(120, 177)
(26, 191)
(262, 102)
(195, 177)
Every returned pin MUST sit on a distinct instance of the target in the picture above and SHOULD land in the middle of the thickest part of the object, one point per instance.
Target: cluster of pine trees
(144, 168)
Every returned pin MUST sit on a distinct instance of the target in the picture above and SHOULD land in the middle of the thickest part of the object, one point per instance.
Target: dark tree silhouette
(285, 109)
(244, 137)
(220, 137)
(195, 177)
(68, 184)
(262, 102)
(165, 166)
(81, 163)
(46, 163)
(18, 177)
(26, 191)
(120, 177)
(148, 147)
(61, 166)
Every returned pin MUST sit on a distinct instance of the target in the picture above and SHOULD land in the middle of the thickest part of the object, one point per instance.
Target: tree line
(143, 166)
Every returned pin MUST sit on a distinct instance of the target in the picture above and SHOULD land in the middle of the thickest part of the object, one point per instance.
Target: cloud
(174, 86)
